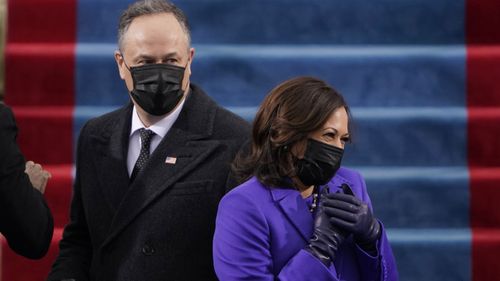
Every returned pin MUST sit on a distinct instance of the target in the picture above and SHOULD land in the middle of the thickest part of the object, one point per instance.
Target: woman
(298, 215)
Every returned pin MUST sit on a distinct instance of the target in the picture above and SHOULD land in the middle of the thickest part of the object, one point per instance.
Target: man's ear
(191, 56)
(121, 64)
(187, 72)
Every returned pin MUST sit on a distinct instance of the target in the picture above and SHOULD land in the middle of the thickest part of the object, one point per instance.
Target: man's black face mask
(320, 163)
(157, 87)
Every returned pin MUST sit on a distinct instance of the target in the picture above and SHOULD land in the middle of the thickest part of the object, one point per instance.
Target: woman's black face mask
(320, 163)
(157, 87)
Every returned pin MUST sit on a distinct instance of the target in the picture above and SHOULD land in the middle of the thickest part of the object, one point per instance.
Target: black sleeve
(25, 219)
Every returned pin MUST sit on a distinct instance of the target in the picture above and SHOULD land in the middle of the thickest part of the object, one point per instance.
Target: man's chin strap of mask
(157, 87)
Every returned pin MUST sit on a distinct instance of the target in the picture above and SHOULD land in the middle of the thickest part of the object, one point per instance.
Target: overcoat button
(148, 250)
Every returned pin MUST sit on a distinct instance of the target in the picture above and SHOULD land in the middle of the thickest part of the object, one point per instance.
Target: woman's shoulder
(353, 179)
(250, 201)
(250, 190)
(348, 174)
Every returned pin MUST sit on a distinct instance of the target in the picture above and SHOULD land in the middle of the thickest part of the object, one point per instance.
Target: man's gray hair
(150, 7)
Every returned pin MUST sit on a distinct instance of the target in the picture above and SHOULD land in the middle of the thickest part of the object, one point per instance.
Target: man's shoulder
(226, 123)
(107, 120)
(4, 109)
(229, 123)
(6, 115)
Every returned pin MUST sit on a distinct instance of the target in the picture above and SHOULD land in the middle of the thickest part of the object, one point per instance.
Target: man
(150, 175)
(25, 219)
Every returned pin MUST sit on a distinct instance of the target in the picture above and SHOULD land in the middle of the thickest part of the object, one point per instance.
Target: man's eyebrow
(149, 57)
(144, 56)
(171, 54)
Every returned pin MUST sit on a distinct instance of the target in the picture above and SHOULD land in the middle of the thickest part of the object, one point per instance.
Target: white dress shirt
(160, 128)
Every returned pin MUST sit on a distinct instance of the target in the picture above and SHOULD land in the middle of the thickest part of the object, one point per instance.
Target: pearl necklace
(315, 196)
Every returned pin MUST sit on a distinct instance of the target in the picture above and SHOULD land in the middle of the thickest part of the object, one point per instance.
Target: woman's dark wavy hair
(288, 114)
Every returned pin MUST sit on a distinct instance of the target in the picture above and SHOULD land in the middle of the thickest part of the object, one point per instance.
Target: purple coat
(261, 233)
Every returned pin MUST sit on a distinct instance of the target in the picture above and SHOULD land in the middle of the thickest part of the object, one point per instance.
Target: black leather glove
(354, 216)
(326, 238)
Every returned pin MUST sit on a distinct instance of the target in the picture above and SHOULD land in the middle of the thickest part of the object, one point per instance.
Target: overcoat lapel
(187, 141)
(111, 145)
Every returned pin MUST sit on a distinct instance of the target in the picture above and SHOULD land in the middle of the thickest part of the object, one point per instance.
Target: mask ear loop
(184, 74)
(128, 68)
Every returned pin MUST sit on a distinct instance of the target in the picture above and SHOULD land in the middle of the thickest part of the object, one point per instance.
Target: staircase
(483, 102)
(39, 79)
(419, 75)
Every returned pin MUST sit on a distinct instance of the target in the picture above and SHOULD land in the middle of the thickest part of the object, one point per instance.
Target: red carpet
(15, 267)
(483, 100)
(39, 85)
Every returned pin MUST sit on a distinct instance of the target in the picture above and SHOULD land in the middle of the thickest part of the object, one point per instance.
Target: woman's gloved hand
(353, 216)
(326, 238)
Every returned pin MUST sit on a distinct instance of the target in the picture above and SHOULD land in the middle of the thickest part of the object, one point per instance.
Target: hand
(326, 238)
(354, 216)
(38, 176)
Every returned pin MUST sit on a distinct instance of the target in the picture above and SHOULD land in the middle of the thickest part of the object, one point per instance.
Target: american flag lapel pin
(170, 160)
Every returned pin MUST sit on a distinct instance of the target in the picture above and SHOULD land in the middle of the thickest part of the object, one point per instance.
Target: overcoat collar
(295, 207)
(187, 142)
(111, 146)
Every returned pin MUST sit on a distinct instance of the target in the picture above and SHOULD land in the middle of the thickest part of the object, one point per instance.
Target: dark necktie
(146, 136)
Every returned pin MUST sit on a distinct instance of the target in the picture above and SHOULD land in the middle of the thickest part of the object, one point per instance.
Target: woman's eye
(329, 135)
(346, 140)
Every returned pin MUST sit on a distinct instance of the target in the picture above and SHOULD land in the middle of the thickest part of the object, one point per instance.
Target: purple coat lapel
(295, 208)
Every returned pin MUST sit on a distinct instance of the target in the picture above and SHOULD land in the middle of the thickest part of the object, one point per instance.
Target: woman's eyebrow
(331, 128)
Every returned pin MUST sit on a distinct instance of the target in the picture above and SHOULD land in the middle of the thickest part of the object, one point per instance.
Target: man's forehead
(155, 27)
(162, 22)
